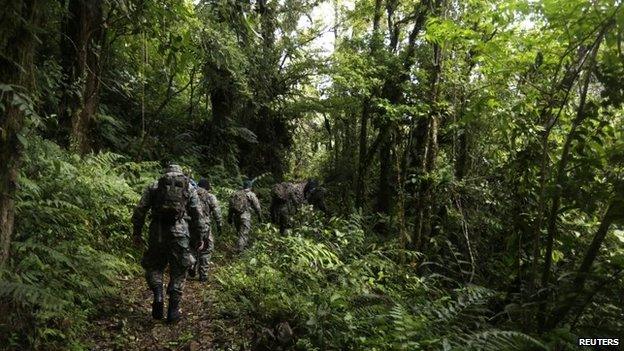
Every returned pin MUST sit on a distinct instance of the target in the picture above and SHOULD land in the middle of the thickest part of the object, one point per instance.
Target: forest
(471, 152)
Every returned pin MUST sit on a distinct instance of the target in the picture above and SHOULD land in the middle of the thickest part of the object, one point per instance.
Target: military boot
(173, 313)
(158, 305)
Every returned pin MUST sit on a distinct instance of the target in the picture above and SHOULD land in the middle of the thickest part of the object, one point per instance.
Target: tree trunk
(426, 155)
(613, 213)
(221, 104)
(219, 87)
(192, 93)
(81, 47)
(83, 123)
(567, 83)
(561, 168)
(385, 195)
(360, 188)
(16, 69)
(549, 118)
(69, 47)
(461, 163)
(362, 168)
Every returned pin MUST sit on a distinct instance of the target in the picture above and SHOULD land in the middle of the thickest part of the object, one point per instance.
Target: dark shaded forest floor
(125, 323)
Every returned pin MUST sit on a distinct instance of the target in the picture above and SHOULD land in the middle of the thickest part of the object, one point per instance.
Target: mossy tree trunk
(17, 45)
(81, 52)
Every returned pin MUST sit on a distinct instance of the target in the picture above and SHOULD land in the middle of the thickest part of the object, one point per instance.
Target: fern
(496, 340)
(31, 295)
(338, 289)
(468, 305)
(72, 228)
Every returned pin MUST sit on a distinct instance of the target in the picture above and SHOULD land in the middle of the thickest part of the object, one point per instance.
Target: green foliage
(336, 291)
(74, 212)
(51, 293)
(72, 231)
(487, 134)
(500, 340)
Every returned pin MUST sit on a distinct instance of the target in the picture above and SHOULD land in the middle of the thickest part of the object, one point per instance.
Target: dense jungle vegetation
(472, 152)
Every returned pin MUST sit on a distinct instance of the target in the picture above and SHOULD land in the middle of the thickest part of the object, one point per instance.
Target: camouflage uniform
(287, 197)
(210, 209)
(242, 221)
(169, 242)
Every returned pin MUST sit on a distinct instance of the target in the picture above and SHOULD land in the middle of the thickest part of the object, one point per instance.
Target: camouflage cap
(173, 168)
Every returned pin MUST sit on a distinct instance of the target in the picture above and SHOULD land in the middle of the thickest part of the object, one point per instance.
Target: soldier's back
(204, 198)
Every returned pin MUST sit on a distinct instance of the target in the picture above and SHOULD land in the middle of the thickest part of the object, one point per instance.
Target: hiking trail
(125, 322)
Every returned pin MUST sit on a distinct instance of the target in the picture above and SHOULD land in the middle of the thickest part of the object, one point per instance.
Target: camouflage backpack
(281, 191)
(239, 202)
(204, 195)
(172, 194)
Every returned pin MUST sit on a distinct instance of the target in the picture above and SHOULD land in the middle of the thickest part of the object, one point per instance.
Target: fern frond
(496, 340)
(31, 295)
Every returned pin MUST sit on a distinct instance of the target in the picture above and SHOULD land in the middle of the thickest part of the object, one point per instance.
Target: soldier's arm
(215, 209)
(208, 239)
(204, 206)
(230, 215)
(201, 230)
(140, 211)
(255, 203)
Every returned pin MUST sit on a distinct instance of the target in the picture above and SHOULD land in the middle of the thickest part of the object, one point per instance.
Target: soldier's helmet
(173, 168)
(247, 184)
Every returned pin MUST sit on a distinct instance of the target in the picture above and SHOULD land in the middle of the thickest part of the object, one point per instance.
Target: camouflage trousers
(243, 227)
(203, 259)
(282, 214)
(158, 257)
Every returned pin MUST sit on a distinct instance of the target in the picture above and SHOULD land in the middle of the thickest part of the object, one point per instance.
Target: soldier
(239, 213)
(169, 200)
(286, 198)
(210, 210)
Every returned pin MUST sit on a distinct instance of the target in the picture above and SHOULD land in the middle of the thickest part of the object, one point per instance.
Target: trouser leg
(203, 257)
(179, 264)
(154, 277)
(180, 261)
(244, 227)
(154, 262)
(177, 280)
(203, 261)
(283, 218)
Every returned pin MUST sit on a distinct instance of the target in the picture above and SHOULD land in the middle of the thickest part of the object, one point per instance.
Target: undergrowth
(70, 243)
(330, 286)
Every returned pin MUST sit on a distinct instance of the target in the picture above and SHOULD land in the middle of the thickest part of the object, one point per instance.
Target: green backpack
(172, 194)
(239, 202)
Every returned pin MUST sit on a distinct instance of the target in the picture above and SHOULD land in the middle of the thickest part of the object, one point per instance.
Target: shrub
(328, 287)
(72, 230)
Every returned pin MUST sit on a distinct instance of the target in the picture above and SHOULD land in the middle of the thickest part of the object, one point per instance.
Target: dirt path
(125, 322)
